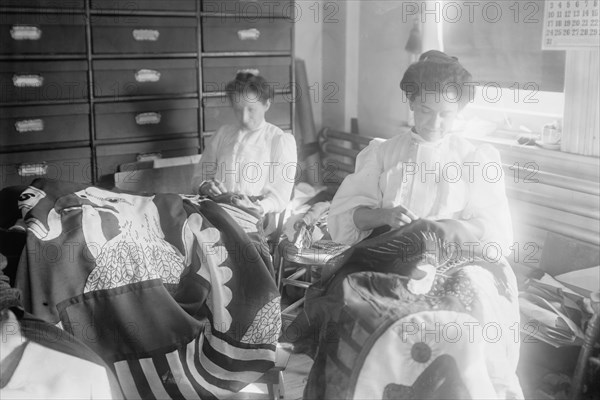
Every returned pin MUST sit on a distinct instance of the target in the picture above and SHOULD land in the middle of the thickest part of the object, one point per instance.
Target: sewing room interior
(299, 199)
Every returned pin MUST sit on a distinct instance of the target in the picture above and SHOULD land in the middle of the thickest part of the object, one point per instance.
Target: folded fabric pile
(552, 313)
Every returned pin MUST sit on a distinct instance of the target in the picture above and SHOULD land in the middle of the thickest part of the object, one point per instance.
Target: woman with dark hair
(427, 217)
(252, 158)
(429, 172)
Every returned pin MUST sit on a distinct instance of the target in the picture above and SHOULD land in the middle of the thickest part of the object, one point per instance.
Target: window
(500, 43)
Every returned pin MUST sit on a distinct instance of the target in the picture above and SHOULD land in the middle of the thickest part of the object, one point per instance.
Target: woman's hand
(212, 188)
(367, 218)
(399, 216)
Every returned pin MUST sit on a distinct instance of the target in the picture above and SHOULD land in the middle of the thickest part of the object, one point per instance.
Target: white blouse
(253, 162)
(446, 179)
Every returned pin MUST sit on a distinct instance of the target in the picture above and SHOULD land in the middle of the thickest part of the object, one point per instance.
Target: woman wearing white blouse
(428, 173)
(253, 158)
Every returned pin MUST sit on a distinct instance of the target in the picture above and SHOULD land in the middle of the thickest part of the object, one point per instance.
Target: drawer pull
(150, 35)
(34, 169)
(148, 118)
(147, 75)
(29, 125)
(252, 71)
(28, 80)
(148, 156)
(248, 34)
(25, 32)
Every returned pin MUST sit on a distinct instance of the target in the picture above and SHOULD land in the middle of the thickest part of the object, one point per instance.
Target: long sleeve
(208, 162)
(282, 173)
(488, 204)
(360, 189)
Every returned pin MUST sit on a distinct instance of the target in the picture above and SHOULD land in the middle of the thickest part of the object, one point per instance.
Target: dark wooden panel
(126, 34)
(144, 5)
(233, 34)
(117, 78)
(42, 34)
(44, 124)
(65, 164)
(146, 118)
(250, 9)
(43, 81)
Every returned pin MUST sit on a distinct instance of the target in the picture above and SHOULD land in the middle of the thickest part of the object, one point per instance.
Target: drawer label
(252, 71)
(36, 169)
(25, 32)
(28, 80)
(148, 118)
(148, 156)
(29, 125)
(147, 75)
(248, 34)
(150, 35)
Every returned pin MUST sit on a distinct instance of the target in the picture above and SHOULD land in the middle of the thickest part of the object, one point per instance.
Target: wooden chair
(274, 377)
(338, 151)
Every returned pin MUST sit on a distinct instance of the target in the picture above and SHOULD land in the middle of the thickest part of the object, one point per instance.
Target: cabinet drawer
(43, 80)
(217, 112)
(42, 34)
(61, 4)
(144, 77)
(109, 157)
(126, 34)
(44, 124)
(65, 164)
(145, 5)
(234, 34)
(217, 72)
(146, 119)
(250, 8)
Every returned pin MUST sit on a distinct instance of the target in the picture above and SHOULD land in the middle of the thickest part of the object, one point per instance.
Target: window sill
(506, 141)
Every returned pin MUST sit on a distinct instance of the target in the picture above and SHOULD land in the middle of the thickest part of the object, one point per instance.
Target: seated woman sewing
(427, 219)
(253, 159)
(430, 172)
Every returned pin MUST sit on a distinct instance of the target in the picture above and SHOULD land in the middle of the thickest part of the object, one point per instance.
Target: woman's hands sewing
(212, 188)
(396, 217)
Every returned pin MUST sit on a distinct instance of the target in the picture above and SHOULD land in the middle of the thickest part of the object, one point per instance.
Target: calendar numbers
(570, 24)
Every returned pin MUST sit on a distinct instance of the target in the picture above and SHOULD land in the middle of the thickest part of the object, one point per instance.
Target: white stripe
(183, 383)
(126, 380)
(153, 379)
(189, 357)
(240, 354)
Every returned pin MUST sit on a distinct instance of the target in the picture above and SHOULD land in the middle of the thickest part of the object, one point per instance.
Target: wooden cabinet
(87, 85)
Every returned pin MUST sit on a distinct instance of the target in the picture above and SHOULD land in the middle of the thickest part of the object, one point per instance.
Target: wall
(355, 58)
(383, 34)
(308, 43)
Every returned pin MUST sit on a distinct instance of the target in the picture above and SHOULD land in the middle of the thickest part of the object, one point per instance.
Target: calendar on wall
(571, 24)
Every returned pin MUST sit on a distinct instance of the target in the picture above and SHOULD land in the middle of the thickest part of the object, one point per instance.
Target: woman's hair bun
(436, 55)
(249, 83)
(437, 71)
